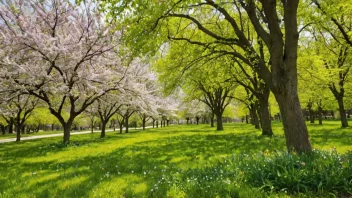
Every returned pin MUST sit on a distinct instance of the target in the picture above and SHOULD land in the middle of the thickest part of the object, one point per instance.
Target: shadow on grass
(136, 170)
(140, 169)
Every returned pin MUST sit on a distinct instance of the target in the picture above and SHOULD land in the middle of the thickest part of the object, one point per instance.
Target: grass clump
(321, 172)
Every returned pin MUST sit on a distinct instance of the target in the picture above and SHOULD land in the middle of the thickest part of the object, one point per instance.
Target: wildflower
(303, 163)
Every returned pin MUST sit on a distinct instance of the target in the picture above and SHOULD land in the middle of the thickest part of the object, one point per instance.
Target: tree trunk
(320, 115)
(67, 130)
(219, 125)
(18, 133)
(251, 116)
(164, 122)
(143, 123)
(92, 126)
(296, 132)
(126, 124)
(157, 124)
(161, 123)
(257, 111)
(247, 122)
(265, 118)
(113, 123)
(103, 127)
(153, 123)
(342, 112)
(121, 126)
(197, 119)
(256, 119)
(254, 115)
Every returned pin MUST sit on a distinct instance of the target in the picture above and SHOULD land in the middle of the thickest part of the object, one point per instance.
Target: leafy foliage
(321, 171)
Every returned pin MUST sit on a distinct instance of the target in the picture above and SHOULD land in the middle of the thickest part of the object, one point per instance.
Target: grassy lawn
(176, 161)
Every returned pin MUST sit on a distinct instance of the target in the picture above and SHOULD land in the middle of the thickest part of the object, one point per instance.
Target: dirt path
(56, 135)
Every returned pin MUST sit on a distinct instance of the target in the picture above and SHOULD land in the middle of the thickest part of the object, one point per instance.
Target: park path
(57, 135)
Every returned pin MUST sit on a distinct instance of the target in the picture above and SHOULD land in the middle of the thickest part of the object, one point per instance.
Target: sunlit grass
(155, 163)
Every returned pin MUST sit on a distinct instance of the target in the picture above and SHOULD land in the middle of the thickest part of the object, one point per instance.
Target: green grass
(176, 161)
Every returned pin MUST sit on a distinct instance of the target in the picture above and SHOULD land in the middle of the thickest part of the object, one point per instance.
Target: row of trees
(287, 49)
(63, 56)
(268, 55)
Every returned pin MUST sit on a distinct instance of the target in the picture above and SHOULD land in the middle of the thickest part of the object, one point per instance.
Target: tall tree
(246, 97)
(92, 114)
(19, 108)
(330, 31)
(258, 89)
(107, 106)
(314, 80)
(206, 79)
(225, 25)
